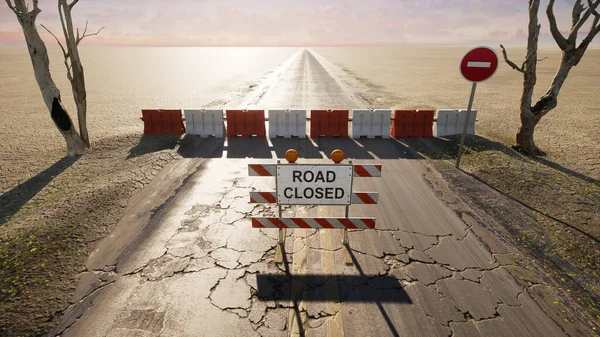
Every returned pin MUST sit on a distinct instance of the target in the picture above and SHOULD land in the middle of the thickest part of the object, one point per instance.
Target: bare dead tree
(570, 57)
(73, 62)
(41, 67)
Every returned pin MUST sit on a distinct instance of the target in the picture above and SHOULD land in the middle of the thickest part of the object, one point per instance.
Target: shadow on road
(13, 200)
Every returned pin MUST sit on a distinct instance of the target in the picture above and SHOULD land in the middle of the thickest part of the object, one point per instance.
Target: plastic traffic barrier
(451, 122)
(245, 123)
(462, 118)
(204, 123)
(371, 123)
(162, 122)
(412, 123)
(329, 123)
(287, 123)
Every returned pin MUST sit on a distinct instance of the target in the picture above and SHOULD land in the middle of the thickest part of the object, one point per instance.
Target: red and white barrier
(320, 223)
(357, 198)
(269, 170)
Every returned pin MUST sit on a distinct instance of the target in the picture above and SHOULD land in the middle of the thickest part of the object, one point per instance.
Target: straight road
(184, 260)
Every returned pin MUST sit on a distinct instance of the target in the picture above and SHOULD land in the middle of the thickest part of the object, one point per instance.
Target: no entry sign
(314, 184)
(479, 64)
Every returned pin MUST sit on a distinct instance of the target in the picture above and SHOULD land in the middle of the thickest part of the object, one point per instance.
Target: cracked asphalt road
(184, 260)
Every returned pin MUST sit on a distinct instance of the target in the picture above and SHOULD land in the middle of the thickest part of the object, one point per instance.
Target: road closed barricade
(371, 123)
(245, 123)
(314, 184)
(287, 123)
(329, 123)
(204, 123)
(162, 122)
(412, 123)
(462, 119)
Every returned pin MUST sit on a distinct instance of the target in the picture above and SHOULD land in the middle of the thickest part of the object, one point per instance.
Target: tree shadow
(153, 143)
(565, 170)
(13, 200)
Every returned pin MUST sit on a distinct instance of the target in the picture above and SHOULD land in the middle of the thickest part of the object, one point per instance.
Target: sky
(296, 22)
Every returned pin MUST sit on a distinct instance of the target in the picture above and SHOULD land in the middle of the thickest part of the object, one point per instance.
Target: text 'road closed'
(314, 184)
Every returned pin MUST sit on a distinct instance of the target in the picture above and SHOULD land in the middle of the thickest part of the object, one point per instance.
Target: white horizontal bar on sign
(479, 64)
(363, 198)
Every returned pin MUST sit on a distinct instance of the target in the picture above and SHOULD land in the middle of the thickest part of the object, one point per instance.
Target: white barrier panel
(451, 122)
(462, 117)
(204, 123)
(287, 123)
(371, 123)
(445, 122)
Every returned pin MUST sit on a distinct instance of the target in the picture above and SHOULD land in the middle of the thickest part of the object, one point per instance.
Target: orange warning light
(291, 156)
(337, 156)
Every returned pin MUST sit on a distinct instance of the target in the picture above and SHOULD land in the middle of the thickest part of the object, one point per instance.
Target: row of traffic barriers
(323, 123)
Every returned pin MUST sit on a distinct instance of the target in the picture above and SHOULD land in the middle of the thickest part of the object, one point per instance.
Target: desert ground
(54, 210)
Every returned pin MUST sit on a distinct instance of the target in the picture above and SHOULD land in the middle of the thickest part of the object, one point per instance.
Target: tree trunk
(50, 93)
(78, 79)
(525, 141)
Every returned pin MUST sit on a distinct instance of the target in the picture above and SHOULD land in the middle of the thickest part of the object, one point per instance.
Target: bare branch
(66, 55)
(62, 19)
(558, 37)
(577, 10)
(12, 8)
(592, 9)
(575, 28)
(543, 58)
(86, 35)
(73, 3)
(511, 63)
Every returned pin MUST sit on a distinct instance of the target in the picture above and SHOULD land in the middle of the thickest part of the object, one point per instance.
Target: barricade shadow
(13, 200)
(153, 143)
(447, 147)
(253, 147)
(388, 148)
(352, 150)
(194, 146)
(373, 288)
(304, 146)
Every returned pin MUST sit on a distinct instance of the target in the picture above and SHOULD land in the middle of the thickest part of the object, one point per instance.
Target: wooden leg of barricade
(280, 249)
(346, 242)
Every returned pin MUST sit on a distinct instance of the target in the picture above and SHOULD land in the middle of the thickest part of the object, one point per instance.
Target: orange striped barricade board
(314, 184)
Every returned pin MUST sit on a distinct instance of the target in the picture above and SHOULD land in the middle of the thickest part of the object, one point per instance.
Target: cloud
(289, 22)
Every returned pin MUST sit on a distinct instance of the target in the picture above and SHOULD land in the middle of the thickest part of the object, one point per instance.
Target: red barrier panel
(329, 123)
(424, 123)
(245, 123)
(412, 123)
(162, 122)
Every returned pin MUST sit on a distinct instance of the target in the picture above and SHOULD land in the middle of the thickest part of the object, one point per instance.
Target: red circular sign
(479, 64)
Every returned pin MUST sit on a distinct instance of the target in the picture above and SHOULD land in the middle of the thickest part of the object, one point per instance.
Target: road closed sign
(303, 184)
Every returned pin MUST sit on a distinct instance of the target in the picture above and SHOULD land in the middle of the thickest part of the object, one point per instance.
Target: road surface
(184, 260)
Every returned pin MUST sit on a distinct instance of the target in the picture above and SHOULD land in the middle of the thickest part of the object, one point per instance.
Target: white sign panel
(305, 184)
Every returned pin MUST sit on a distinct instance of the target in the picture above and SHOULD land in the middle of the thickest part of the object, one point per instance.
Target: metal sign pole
(462, 138)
